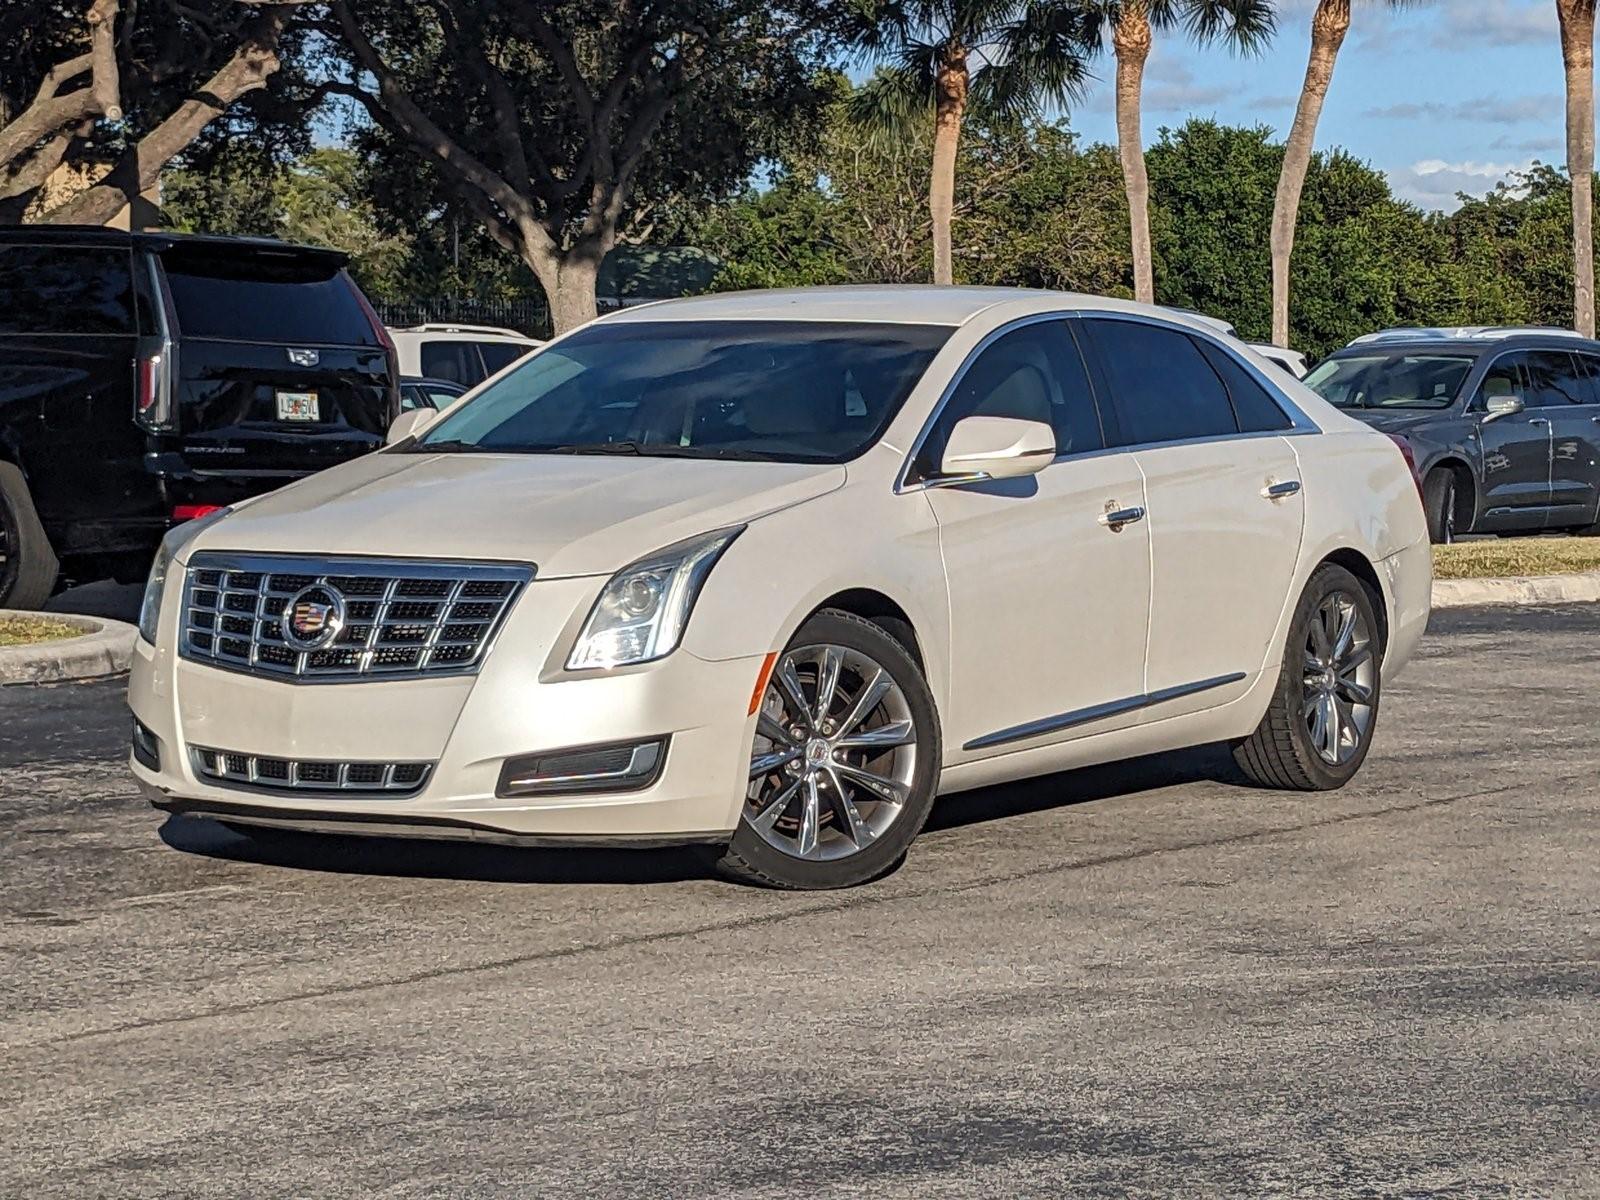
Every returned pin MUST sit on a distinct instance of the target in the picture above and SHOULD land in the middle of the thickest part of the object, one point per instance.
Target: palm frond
(896, 99)
(1040, 58)
(1245, 25)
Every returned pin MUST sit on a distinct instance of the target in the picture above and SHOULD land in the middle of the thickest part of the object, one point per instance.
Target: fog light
(613, 767)
(146, 746)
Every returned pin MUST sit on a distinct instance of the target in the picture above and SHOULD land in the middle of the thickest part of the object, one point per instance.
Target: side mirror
(1502, 406)
(409, 424)
(995, 448)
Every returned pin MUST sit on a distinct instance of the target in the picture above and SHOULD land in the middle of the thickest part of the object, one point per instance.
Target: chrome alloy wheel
(1341, 674)
(834, 757)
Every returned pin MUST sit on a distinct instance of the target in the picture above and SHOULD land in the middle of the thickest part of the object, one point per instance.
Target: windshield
(1395, 380)
(779, 391)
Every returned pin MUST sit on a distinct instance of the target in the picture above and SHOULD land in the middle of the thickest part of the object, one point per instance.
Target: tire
(28, 567)
(1441, 501)
(1290, 748)
(819, 818)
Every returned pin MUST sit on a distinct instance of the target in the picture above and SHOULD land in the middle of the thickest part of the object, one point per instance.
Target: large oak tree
(561, 124)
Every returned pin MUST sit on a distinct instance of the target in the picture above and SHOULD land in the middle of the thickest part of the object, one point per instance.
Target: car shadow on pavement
(483, 863)
(1066, 788)
(416, 858)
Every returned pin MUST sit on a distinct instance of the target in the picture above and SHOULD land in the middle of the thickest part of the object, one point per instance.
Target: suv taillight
(153, 404)
(1410, 456)
(381, 332)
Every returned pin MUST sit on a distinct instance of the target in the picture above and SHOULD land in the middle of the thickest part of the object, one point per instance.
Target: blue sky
(1443, 96)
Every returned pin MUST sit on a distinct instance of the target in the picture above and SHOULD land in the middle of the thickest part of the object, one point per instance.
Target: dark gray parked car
(1503, 424)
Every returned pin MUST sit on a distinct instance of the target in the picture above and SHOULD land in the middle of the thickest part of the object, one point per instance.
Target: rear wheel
(1320, 723)
(28, 566)
(844, 764)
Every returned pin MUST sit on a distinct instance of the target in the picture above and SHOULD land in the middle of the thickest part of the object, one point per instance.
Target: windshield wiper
(451, 447)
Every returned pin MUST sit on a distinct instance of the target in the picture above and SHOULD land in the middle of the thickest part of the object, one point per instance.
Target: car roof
(1469, 346)
(96, 235)
(900, 304)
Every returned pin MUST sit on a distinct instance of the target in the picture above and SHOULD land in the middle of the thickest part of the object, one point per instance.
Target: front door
(1516, 450)
(1575, 449)
(1048, 604)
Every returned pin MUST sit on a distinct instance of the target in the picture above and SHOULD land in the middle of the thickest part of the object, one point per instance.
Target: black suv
(147, 378)
(1503, 424)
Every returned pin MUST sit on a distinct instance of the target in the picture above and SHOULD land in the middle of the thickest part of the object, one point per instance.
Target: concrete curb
(105, 648)
(1581, 588)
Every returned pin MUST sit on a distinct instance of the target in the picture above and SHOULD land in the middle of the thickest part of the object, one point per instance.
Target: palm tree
(1245, 25)
(1329, 24)
(945, 59)
(1577, 54)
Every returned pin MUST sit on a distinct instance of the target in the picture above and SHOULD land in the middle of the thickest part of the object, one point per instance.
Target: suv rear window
(255, 297)
(65, 290)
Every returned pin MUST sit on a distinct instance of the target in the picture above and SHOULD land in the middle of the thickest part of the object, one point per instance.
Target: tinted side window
(1161, 385)
(1504, 378)
(497, 355)
(1553, 380)
(455, 361)
(1591, 367)
(1253, 406)
(1034, 373)
(65, 290)
(264, 298)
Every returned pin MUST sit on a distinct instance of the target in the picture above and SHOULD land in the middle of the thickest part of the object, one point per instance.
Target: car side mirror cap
(409, 424)
(995, 448)
(1502, 406)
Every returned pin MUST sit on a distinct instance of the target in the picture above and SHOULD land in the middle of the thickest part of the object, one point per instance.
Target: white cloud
(1494, 23)
(1485, 110)
(1434, 183)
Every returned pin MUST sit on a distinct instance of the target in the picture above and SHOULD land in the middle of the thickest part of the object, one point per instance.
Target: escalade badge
(303, 358)
(312, 618)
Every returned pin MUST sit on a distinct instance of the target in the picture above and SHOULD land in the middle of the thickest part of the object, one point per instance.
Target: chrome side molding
(1099, 712)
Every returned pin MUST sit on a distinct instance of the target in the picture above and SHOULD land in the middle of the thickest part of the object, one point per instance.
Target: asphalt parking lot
(1140, 980)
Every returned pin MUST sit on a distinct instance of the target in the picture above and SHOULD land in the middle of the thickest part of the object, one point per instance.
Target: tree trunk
(569, 281)
(950, 104)
(1131, 41)
(1329, 24)
(1577, 54)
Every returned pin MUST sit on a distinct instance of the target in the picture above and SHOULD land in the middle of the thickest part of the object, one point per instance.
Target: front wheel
(844, 763)
(1320, 723)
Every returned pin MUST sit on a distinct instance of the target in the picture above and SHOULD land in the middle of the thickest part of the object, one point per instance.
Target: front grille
(309, 775)
(324, 620)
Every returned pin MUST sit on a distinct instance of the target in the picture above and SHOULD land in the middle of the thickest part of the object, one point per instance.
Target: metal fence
(530, 315)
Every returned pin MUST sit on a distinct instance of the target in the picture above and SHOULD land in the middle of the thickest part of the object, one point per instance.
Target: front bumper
(467, 727)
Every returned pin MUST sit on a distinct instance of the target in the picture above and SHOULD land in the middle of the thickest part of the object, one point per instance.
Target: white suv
(464, 354)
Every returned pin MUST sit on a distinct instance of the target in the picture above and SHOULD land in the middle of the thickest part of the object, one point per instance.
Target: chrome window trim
(1300, 424)
(519, 575)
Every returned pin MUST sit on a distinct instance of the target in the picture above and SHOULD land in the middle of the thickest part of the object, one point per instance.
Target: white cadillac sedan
(771, 571)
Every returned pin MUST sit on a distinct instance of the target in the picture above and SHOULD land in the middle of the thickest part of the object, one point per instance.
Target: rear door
(279, 369)
(1575, 449)
(1225, 508)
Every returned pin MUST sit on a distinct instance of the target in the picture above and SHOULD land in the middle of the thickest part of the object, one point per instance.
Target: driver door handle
(1281, 491)
(1538, 421)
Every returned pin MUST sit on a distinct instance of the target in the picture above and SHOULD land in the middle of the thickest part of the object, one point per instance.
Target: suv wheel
(1319, 725)
(845, 760)
(28, 566)
(1441, 500)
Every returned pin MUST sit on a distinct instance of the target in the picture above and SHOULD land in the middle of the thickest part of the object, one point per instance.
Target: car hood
(1394, 421)
(568, 514)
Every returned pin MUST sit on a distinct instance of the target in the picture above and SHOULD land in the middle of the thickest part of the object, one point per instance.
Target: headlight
(177, 538)
(641, 614)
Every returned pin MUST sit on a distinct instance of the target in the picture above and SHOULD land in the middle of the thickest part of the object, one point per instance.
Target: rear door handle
(1281, 491)
(1538, 421)
(1114, 519)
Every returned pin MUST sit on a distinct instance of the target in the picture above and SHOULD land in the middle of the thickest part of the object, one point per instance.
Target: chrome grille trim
(405, 618)
(228, 768)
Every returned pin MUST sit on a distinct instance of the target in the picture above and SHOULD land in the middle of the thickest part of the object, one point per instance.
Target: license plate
(298, 406)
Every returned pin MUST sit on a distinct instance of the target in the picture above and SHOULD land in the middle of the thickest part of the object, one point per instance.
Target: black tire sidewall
(29, 575)
(1440, 497)
(772, 865)
(1327, 579)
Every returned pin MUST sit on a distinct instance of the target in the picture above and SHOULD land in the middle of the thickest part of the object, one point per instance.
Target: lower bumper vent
(231, 769)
